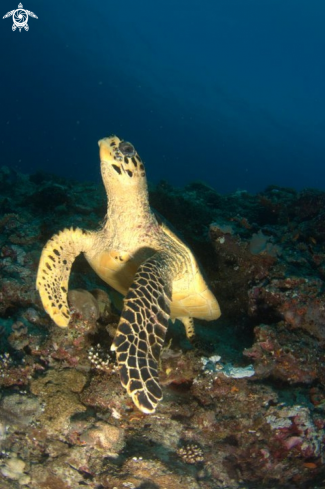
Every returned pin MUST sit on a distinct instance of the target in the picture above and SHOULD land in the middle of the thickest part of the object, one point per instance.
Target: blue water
(229, 92)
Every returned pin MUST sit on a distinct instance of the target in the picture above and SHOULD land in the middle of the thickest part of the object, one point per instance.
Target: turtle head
(120, 163)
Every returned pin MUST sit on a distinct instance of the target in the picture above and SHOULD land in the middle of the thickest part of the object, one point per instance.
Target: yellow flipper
(54, 270)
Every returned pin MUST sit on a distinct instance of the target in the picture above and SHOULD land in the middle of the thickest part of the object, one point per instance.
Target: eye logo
(20, 18)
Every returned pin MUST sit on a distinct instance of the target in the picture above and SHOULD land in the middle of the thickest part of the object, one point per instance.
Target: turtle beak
(105, 153)
(108, 147)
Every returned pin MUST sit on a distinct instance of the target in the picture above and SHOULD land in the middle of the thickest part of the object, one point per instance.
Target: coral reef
(244, 404)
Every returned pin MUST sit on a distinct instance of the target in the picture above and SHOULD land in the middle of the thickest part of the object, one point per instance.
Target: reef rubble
(244, 403)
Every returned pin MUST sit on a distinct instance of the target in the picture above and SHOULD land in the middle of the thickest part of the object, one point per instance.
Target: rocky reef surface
(244, 404)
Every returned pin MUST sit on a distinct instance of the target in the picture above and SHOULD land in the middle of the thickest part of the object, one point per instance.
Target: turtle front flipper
(141, 331)
(54, 270)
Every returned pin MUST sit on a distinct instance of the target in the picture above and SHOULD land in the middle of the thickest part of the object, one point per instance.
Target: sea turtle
(139, 256)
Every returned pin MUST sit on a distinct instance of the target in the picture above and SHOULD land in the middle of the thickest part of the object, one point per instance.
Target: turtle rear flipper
(141, 331)
(54, 270)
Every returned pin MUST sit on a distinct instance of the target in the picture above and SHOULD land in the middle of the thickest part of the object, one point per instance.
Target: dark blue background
(230, 92)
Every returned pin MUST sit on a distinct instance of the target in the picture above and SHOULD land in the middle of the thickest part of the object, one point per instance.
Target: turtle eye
(126, 148)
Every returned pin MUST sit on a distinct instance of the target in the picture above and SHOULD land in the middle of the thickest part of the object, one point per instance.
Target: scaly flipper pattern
(141, 332)
(54, 270)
